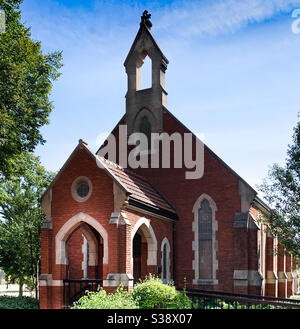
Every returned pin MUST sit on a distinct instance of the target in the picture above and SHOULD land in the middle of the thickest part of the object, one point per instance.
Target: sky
(232, 78)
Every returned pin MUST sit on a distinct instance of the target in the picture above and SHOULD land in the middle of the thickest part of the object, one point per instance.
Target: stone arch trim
(195, 243)
(66, 230)
(92, 242)
(164, 242)
(148, 232)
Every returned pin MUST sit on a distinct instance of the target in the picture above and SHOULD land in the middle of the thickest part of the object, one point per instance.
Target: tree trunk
(37, 280)
(21, 283)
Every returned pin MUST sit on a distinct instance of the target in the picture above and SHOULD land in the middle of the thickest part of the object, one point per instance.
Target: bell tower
(144, 107)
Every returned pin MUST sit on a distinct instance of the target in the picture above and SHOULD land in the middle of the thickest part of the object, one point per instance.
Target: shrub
(153, 293)
(121, 299)
(11, 302)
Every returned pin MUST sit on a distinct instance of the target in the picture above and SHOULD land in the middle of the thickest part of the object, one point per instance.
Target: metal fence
(202, 299)
(74, 289)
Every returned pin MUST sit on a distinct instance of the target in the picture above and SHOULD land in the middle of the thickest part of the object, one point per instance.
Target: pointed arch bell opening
(143, 71)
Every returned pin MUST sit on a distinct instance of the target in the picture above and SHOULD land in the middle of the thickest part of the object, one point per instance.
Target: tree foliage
(148, 294)
(121, 299)
(22, 218)
(26, 76)
(153, 293)
(282, 191)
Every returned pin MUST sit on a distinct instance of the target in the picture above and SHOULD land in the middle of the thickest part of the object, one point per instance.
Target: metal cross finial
(145, 19)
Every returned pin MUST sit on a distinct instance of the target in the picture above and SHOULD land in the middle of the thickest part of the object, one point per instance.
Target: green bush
(11, 302)
(153, 293)
(150, 293)
(121, 299)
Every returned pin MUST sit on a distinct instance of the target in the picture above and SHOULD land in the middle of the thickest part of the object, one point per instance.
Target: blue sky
(233, 75)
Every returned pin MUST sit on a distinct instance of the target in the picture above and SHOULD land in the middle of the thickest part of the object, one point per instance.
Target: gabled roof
(138, 187)
(212, 152)
(141, 193)
(261, 204)
(195, 136)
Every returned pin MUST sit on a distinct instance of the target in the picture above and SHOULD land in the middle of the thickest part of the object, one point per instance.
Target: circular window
(81, 189)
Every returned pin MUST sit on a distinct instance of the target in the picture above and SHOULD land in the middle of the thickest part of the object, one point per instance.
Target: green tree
(22, 218)
(26, 76)
(282, 191)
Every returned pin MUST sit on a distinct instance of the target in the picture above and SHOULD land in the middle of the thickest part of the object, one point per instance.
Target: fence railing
(217, 299)
(201, 299)
(74, 289)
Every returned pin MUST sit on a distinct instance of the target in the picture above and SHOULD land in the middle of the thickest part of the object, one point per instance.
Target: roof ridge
(109, 162)
(141, 186)
(114, 164)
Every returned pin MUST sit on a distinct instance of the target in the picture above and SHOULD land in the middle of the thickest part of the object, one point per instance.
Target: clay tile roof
(138, 186)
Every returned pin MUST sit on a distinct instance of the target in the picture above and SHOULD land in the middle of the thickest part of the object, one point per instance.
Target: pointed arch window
(205, 245)
(165, 260)
(145, 128)
(205, 240)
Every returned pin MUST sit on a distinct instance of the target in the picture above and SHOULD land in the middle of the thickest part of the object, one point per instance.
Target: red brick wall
(221, 184)
(271, 289)
(253, 259)
(218, 182)
(162, 229)
(46, 251)
(99, 206)
(282, 283)
(75, 255)
(288, 271)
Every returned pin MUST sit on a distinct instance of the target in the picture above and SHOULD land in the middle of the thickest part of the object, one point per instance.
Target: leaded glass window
(205, 240)
(83, 189)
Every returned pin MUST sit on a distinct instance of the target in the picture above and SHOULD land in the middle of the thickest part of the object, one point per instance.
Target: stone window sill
(205, 282)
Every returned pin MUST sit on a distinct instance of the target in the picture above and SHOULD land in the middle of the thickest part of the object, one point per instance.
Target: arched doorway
(84, 251)
(137, 254)
(81, 248)
(144, 249)
(140, 256)
(69, 227)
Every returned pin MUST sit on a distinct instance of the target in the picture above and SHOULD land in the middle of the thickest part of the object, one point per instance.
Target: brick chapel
(110, 224)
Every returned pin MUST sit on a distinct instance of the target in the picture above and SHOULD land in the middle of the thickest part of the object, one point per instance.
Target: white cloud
(220, 17)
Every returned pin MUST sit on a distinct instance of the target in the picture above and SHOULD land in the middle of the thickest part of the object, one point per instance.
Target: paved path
(13, 290)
